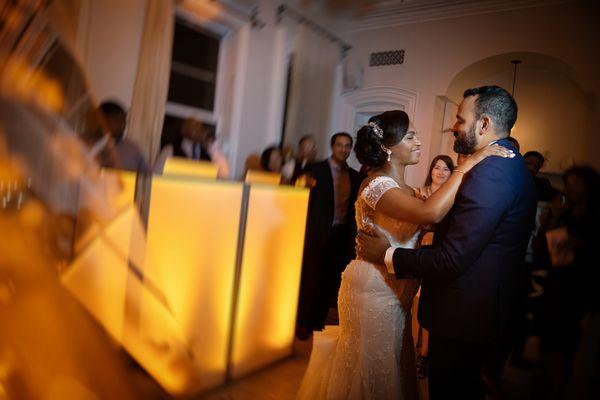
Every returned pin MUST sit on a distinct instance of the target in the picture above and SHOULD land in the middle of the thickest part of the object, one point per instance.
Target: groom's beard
(465, 144)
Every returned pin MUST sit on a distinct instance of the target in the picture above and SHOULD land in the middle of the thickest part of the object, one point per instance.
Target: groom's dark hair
(496, 103)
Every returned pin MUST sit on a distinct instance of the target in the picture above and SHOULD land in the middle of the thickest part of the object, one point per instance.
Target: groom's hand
(372, 246)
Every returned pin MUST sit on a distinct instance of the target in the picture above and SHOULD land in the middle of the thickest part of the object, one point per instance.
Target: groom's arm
(484, 198)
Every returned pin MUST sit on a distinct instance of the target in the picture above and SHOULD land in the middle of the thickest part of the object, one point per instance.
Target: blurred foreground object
(85, 282)
(49, 347)
(50, 183)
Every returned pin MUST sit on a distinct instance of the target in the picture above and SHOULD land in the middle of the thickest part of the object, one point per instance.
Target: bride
(370, 355)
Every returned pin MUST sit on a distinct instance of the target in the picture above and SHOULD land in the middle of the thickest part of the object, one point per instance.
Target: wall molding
(389, 13)
(376, 98)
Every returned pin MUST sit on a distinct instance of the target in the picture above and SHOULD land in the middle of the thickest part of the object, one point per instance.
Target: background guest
(307, 150)
(217, 157)
(536, 265)
(306, 154)
(535, 161)
(187, 144)
(571, 301)
(288, 164)
(128, 156)
(271, 159)
(440, 169)
(330, 232)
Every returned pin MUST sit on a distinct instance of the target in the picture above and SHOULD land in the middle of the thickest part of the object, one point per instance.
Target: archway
(358, 106)
(555, 109)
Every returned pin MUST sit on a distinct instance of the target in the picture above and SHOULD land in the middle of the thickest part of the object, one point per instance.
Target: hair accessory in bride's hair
(378, 131)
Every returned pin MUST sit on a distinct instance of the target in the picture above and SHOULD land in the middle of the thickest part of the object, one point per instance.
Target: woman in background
(271, 159)
(439, 171)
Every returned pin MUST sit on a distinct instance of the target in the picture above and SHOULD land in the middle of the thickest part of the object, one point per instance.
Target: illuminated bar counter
(269, 281)
(210, 292)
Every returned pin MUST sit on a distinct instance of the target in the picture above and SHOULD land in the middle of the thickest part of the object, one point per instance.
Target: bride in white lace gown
(370, 355)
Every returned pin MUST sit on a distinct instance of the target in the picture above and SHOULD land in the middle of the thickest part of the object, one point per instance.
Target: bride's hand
(485, 152)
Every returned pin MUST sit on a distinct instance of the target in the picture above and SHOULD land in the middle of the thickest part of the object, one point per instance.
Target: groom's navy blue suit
(472, 275)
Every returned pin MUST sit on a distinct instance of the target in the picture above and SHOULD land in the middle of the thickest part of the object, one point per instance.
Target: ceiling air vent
(386, 58)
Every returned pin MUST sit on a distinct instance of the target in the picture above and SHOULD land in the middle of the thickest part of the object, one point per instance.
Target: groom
(471, 276)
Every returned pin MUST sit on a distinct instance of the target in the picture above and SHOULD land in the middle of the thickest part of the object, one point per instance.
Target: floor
(281, 380)
(277, 382)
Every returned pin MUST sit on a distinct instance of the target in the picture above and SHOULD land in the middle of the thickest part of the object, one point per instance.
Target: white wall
(250, 110)
(438, 51)
(109, 34)
(554, 115)
(227, 81)
(260, 88)
(251, 86)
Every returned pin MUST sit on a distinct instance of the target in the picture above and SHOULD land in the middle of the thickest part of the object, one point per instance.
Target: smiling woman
(439, 171)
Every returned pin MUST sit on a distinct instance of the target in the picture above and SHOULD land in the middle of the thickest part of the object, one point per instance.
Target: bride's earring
(388, 152)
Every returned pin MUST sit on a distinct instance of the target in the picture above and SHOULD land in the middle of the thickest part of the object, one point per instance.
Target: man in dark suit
(473, 273)
(186, 144)
(330, 233)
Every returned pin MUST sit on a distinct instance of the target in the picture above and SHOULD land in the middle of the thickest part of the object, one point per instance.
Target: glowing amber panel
(191, 168)
(267, 178)
(117, 189)
(270, 277)
(192, 236)
(105, 278)
(126, 182)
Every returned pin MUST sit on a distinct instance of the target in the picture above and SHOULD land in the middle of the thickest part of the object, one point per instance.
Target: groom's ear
(486, 124)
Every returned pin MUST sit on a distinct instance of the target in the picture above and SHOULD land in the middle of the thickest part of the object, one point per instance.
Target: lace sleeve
(376, 188)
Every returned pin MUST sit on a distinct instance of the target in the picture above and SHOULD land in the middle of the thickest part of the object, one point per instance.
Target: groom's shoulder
(499, 166)
(490, 167)
(495, 172)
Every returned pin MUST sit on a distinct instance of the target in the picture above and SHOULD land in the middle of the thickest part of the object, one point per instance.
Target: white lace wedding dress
(370, 354)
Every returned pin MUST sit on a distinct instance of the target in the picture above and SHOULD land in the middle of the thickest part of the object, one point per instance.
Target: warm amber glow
(192, 237)
(126, 194)
(270, 277)
(101, 278)
(191, 168)
(21, 81)
(176, 321)
(204, 9)
(256, 176)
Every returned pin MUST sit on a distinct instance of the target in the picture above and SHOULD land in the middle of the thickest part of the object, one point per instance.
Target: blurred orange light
(270, 276)
(192, 239)
(190, 168)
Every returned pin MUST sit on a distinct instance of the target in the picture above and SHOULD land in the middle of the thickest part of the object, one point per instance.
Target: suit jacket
(472, 275)
(321, 207)
(545, 191)
(298, 170)
(130, 158)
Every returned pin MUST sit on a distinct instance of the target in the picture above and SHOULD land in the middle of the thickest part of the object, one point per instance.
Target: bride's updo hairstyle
(385, 129)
